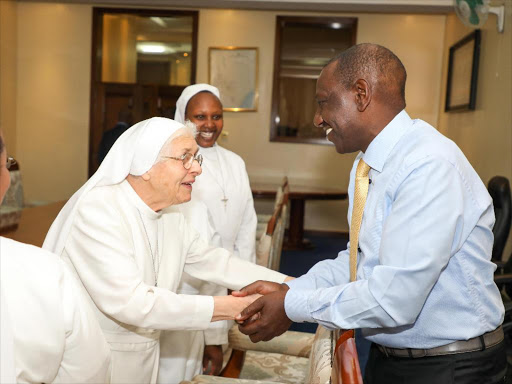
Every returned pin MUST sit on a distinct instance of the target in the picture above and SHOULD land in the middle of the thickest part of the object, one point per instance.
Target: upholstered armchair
(10, 210)
(294, 357)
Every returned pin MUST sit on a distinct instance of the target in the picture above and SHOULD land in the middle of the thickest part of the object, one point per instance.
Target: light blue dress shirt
(424, 275)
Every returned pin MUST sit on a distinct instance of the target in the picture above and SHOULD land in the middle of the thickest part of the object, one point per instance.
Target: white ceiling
(388, 6)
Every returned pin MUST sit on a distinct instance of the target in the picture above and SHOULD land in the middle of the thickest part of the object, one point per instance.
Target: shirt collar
(381, 146)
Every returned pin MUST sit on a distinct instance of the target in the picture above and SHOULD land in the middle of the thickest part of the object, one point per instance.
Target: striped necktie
(360, 193)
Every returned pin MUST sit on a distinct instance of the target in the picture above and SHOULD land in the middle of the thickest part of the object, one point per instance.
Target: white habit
(224, 175)
(224, 187)
(235, 222)
(181, 352)
(54, 332)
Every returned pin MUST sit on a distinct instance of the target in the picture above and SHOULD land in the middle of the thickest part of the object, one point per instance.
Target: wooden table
(298, 196)
(35, 223)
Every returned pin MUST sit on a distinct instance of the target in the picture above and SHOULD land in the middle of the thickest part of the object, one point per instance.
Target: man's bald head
(380, 67)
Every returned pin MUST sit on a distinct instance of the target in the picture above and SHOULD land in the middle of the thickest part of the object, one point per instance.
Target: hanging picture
(234, 70)
(463, 73)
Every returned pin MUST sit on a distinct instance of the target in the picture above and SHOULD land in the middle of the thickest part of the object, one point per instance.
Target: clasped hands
(265, 318)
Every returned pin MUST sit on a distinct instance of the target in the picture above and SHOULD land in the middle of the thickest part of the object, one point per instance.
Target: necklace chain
(222, 187)
(156, 260)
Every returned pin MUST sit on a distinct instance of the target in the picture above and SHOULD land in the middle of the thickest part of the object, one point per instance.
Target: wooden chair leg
(234, 365)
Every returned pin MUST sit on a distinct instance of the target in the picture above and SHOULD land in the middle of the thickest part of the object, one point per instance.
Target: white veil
(187, 94)
(133, 153)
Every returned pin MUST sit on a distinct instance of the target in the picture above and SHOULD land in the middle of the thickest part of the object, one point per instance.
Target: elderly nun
(128, 243)
(48, 330)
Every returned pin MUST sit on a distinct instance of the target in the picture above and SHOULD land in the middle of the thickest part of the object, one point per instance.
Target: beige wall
(417, 40)
(54, 47)
(485, 135)
(53, 80)
(8, 37)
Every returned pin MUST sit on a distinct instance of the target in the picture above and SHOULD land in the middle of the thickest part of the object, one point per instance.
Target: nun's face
(205, 111)
(171, 182)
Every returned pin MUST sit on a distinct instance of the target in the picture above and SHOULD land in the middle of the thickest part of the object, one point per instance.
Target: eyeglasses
(10, 162)
(187, 159)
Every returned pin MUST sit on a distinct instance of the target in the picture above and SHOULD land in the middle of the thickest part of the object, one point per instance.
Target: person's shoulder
(425, 143)
(17, 255)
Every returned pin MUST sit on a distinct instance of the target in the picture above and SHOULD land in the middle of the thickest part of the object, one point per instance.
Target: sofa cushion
(274, 367)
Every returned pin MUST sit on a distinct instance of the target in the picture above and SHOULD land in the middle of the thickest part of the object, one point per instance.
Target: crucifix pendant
(225, 201)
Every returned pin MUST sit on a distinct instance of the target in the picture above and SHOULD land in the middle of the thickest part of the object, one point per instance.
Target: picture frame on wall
(234, 70)
(462, 77)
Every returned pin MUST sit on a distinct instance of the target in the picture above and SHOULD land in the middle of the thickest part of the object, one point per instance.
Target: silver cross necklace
(224, 198)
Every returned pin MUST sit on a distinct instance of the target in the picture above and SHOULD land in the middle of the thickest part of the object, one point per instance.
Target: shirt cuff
(296, 305)
(201, 312)
(300, 283)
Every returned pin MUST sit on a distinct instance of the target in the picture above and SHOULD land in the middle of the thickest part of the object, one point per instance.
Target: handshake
(259, 310)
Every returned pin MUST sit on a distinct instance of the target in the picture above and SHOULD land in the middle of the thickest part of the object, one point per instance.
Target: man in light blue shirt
(424, 294)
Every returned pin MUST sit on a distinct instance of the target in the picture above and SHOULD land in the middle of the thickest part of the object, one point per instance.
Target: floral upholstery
(275, 367)
(10, 210)
(281, 360)
(320, 358)
(289, 343)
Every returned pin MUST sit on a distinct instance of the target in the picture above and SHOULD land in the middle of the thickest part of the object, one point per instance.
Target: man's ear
(363, 94)
(146, 176)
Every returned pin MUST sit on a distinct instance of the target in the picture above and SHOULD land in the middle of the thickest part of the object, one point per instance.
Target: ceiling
(387, 6)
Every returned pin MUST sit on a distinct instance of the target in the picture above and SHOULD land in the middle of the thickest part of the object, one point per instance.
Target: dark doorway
(141, 62)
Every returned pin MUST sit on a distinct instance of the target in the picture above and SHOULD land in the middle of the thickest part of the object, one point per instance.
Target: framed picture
(234, 70)
(463, 73)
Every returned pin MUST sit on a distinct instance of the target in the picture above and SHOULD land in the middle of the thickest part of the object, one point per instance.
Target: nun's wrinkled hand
(227, 307)
(260, 287)
(271, 318)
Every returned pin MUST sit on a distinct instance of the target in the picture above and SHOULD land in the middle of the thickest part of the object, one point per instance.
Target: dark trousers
(482, 367)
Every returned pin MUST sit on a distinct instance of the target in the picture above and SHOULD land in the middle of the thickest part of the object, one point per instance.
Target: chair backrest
(14, 195)
(267, 242)
(12, 205)
(499, 189)
(269, 248)
(320, 358)
(280, 192)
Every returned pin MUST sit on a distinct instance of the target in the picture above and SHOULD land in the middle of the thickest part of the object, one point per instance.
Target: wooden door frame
(96, 101)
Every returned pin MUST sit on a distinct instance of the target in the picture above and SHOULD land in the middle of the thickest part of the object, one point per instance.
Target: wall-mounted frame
(463, 73)
(234, 70)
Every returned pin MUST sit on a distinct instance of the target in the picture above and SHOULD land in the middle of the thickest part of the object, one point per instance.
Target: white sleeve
(219, 266)
(100, 246)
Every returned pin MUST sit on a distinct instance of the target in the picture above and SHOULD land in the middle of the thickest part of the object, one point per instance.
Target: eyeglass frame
(10, 162)
(198, 158)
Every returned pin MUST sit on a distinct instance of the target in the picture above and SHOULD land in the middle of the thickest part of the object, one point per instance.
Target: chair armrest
(289, 343)
(503, 278)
